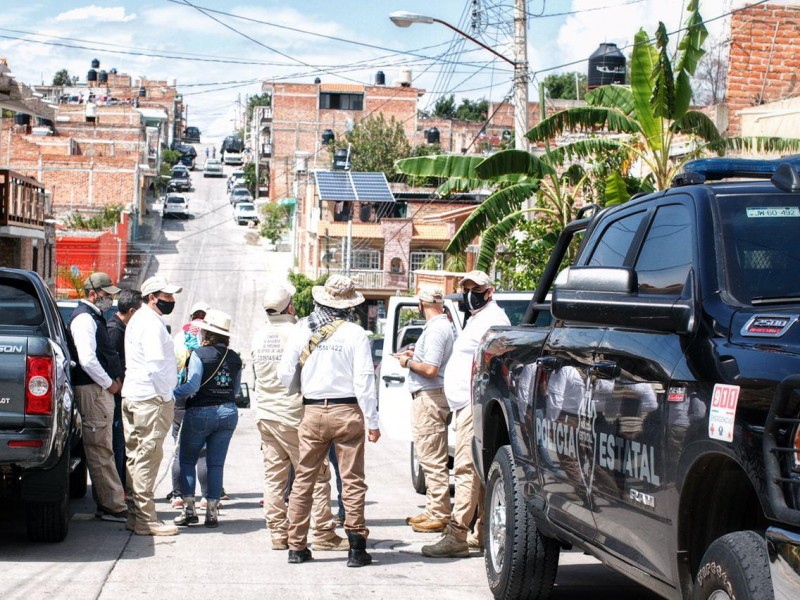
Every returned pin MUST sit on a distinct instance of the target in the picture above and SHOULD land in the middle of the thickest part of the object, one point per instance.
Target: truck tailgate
(13, 354)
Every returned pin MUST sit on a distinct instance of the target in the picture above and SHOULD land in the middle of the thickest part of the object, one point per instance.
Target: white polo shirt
(458, 373)
(150, 368)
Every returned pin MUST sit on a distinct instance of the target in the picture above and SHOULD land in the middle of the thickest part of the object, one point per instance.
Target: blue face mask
(475, 300)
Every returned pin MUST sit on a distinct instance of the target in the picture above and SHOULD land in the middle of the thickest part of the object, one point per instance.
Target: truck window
(666, 256)
(19, 304)
(615, 241)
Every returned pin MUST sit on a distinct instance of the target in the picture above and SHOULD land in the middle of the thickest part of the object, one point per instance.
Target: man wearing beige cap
(426, 364)
(279, 413)
(147, 401)
(485, 313)
(96, 378)
(338, 385)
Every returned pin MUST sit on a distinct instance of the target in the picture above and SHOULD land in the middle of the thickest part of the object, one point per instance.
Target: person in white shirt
(96, 378)
(338, 386)
(147, 401)
(279, 413)
(485, 313)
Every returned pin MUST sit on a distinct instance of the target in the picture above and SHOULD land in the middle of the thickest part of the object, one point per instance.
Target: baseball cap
(101, 281)
(479, 278)
(277, 297)
(159, 284)
(431, 294)
(198, 306)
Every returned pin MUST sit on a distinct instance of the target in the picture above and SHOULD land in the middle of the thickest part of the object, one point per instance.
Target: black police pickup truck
(655, 423)
(40, 443)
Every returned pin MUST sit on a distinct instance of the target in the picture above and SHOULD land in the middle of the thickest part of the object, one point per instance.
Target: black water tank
(102, 77)
(142, 92)
(22, 119)
(114, 70)
(606, 66)
(380, 78)
(91, 75)
(328, 137)
(433, 136)
(340, 162)
(95, 63)
(42, 122)
(317, 80)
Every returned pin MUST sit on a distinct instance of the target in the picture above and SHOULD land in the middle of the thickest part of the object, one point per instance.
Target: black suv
(191, 135)
(656, 423)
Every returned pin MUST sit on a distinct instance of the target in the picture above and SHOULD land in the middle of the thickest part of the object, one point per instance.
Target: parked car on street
(180, 179)
(191, 135)
(175, 205)
(213, 168)
(41, 454)
(244, 213)
(240, 194)
(188, 155)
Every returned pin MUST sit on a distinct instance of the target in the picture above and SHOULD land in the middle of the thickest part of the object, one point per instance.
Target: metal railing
(22, 200)
(363, 278)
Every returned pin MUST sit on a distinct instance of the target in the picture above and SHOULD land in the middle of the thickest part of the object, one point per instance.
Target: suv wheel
(417, 476)
(735, 566)
(48, 521)
(520, 561)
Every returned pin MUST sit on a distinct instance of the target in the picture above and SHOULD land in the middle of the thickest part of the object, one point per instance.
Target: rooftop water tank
(405, 77)
(22, 119)
(317, 80)
(91, 75)
(328, 137)
(432, 136)
(142, 92)
(340, 162)
(606, 66)
(102, 77)
(380, 78)
(95, 63)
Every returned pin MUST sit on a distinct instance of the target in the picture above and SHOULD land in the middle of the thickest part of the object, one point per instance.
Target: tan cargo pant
(342, 425)
(96, 407)
(429, 412)
(146, 424)
(280, 446)
(469, 489)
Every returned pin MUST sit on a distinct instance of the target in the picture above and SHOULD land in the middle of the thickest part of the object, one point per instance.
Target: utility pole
(520, 75)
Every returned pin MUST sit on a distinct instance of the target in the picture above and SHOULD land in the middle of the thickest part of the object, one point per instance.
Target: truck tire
(735, 567)
(520, 561)
(417, 476)
(48, 521)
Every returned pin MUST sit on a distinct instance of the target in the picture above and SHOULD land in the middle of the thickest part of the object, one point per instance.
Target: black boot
(299, 556)
(357, 556)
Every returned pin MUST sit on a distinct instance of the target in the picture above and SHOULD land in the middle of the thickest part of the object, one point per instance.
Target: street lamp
(404, 18)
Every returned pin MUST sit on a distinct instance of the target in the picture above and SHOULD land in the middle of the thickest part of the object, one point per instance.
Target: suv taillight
(39, 386)
(796, 445)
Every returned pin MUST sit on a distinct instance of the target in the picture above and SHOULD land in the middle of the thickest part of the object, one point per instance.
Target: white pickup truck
(403, 327)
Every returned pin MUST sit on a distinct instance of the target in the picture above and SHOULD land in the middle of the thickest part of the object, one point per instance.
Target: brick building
(764, 68)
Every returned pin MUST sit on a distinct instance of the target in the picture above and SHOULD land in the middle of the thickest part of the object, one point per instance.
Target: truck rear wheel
(520, 561)
(48, 521)
(417, 475)
(735, 567)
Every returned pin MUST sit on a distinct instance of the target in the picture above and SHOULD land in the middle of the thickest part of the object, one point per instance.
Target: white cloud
(112, 14)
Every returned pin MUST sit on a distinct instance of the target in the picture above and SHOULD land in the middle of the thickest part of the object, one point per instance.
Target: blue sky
(225, 65)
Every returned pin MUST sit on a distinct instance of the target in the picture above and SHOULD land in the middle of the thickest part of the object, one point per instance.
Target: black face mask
(164, 306)
(475, 300)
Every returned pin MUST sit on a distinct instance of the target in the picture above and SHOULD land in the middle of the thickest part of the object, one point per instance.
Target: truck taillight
(39, 386)
(796, 446)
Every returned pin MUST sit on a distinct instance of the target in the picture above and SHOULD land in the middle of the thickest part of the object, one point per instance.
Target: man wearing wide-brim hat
(338, 386)
(147, 401)
(485, 313)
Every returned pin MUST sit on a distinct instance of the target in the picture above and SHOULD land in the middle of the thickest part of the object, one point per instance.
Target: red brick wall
(764, 58)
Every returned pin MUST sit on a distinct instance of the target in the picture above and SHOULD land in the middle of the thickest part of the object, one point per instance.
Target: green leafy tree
(264, 99)
(274, 221)
(105, 219)
(62, 77)
(375, 144)
(444, 107)
(562, 85)
(302, 299)
(250, 176)
(472, 110)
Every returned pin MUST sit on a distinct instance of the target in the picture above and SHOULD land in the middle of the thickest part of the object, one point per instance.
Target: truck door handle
(605, 369)
(395, 378)
(549, 363)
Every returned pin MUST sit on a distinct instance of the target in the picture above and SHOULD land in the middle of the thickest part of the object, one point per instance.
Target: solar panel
(371, 187)
(335, 186)
(347, 186)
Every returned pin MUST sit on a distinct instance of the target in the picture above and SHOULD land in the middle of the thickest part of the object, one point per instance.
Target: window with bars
(366, 259)
(420, 259)
(341, 101)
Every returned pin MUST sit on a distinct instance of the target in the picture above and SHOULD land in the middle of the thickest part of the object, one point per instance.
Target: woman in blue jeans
(213, 380)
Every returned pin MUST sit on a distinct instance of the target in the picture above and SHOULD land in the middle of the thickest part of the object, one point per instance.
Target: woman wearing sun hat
(211, 416)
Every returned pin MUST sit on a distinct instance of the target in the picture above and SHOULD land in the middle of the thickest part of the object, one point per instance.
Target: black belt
(328, 401)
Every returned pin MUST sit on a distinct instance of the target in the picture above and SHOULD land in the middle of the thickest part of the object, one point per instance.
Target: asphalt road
(211, 258)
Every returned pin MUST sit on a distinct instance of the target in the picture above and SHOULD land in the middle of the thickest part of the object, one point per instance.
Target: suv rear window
(761, 252)
(19, 304)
